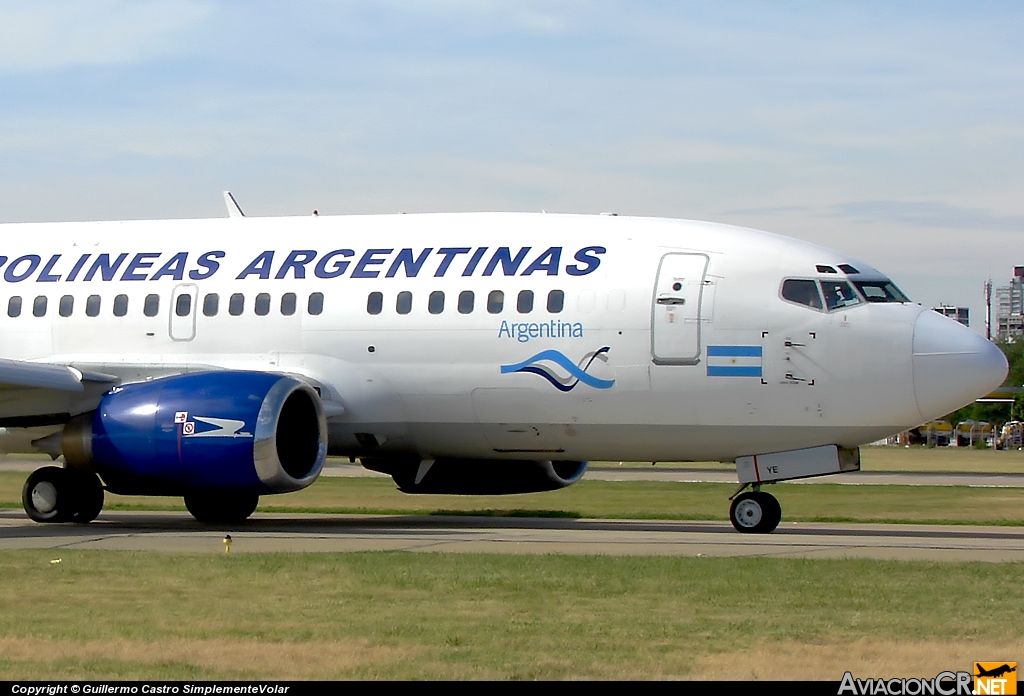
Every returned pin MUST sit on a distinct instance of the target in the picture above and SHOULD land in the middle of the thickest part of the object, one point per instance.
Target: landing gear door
(675, 316)
(183, 312)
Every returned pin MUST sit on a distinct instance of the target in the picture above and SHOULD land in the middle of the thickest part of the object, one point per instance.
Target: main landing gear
(53, 494)
(755, 512)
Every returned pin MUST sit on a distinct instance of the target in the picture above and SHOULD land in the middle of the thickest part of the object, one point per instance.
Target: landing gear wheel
(220, 507)
(87, 492)
(755, 512)
(47, 497)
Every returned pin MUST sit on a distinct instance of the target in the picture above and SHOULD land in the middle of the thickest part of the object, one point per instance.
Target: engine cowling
(247, 432)
(478, 476)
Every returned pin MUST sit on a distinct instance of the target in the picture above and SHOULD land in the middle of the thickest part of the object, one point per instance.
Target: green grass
(101, 615)
(948, 459)
(628, 500)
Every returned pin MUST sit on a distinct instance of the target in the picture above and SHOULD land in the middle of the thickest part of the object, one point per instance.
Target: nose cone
(953, 365)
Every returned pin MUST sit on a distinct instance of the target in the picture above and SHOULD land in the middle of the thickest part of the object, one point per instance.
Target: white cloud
(59, 33)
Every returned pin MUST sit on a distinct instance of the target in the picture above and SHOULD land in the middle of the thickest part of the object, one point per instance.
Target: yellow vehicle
(971, 432)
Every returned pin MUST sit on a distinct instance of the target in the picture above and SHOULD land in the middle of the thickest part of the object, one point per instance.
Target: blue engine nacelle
(245, 432)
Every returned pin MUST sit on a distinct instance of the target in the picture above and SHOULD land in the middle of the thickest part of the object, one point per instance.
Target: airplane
(465, 353)
(996, 672)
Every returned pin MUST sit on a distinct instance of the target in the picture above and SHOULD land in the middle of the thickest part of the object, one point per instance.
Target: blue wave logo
(577, 372)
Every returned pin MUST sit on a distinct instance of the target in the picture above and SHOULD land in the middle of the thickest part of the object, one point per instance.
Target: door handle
(671, 300)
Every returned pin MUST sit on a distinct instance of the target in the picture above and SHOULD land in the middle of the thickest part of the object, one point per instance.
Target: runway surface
(172, 531)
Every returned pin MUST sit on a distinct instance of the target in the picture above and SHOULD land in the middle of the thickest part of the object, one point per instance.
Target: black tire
(221, 507)
(47, 497)
(87, 491)
(773, 512)
(755, 512)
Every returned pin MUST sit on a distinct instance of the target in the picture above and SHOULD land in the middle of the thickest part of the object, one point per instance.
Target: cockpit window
(880, 291)
(804, 292)
(848, 269)
(839, 294)
(825, 269)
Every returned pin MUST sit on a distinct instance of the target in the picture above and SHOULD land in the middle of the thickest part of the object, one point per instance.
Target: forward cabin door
(675, 316)
(184, 300)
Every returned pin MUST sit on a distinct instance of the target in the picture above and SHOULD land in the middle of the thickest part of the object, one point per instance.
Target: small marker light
(227, 543)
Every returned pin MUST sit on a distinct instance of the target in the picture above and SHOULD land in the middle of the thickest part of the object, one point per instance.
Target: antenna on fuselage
(234, 210)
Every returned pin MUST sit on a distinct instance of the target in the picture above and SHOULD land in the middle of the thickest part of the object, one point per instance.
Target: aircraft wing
(42, 394)
(19, 374)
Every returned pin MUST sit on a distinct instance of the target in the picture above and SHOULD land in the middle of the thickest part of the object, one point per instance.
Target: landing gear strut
(52, 494)
(755, 512)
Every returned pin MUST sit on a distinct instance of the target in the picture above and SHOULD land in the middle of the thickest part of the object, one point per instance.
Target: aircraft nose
(952, 365)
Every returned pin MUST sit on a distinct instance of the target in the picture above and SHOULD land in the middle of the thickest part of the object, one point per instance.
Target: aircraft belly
(617, 442)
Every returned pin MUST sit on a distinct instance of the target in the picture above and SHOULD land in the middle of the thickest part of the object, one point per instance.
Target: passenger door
(675, 315)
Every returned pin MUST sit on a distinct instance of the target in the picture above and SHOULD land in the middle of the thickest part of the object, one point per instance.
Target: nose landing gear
(755, 512)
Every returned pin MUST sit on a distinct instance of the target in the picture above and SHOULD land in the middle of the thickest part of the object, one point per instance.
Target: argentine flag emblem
(734, 361)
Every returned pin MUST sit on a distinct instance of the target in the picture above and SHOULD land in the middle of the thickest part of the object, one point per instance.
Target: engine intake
(478, 476)
(249, 432)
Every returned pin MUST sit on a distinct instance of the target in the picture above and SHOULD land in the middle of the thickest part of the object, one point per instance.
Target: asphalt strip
(311, 533)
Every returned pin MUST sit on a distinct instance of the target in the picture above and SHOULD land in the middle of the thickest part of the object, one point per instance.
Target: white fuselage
(678, 341)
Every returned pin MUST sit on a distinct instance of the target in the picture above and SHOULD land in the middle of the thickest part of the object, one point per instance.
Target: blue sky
(892, 131)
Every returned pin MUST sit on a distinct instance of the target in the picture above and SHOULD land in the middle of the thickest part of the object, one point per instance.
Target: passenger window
(403, 304)
(838, 295)
(39, 306)
(66, 306)
(120, 305)
(524, 305)
(495, 301)
(262, 304)
(374, 303)
(316, 303)
(183, 305)
(803, 292)
(92, 306)
(435, 303)
(586, 301)
(466, 300)
(288, 304)
(151, 306)
(211, 304)
(556, 301)
(236, 304)
(14, 306)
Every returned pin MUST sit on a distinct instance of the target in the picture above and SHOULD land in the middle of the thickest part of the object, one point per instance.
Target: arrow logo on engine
(225, 427)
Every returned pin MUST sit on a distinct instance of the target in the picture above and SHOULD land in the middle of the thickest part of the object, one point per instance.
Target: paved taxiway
(171, 531)
(168, 531)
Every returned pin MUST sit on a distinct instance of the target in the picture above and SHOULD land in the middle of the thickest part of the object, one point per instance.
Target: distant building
(960, 314)
(1009, 307)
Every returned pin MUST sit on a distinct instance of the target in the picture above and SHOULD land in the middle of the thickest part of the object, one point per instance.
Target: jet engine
(221, 439)
(478, 476)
